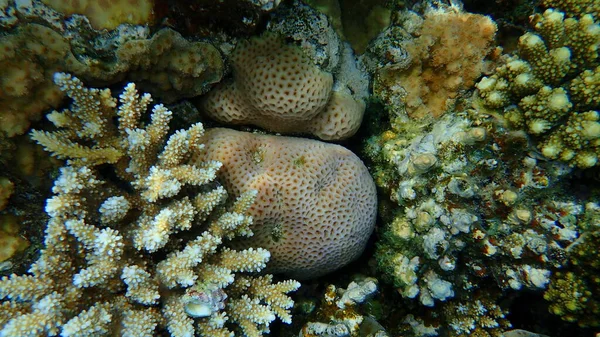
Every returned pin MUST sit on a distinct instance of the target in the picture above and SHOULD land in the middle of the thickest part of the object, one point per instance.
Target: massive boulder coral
(550, 88)
(277, 87)
(138, 250)
(316, 202)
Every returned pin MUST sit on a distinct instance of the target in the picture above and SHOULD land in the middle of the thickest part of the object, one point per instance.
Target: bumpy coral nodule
(444, 56)
(114, 258)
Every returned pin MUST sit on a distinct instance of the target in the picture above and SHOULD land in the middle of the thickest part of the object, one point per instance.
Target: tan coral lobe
(278, 88)
(316, 202)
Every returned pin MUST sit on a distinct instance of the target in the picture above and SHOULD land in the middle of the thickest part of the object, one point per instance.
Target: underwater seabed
(300, 168)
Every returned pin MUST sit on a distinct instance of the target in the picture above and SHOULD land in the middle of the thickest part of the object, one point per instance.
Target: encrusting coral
(165, 64)
(107, 14)
(551, 87)
(474, 207)
(141, 250)
(478, 315)
(427, 61)
(277, 87)
(316, 204)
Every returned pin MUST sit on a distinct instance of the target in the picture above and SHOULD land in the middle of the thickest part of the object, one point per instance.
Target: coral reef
(423, 63)
(316, 202)
(311, 31)
(166, 64)
(277, 87)
(340, 314)
(550, 88)
(473, 207)
(574, 293)
(473, 214)
(478, 315)
(107, 14)
(208, 18)
(121, 248)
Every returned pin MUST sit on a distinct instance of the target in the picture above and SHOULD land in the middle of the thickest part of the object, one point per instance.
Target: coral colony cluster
(550, 87)
(99, 272)
(480, 183)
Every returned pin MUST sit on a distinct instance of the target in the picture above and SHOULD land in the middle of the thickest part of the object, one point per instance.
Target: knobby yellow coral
(115, 258)
(551, 87)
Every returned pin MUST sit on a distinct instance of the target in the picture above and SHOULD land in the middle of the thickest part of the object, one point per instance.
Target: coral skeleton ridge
(145, 258)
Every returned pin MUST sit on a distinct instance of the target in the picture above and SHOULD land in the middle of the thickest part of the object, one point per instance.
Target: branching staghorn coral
(115, 260)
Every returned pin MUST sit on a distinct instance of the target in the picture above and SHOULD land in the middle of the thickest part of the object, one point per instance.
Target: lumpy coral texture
(316, 202)
(277, 87)
(107, 14)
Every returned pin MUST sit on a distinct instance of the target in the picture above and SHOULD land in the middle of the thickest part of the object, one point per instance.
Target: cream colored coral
(91, 279)
(316, 202)
(339, 313)
(575, 8)
(577, 141)
(277, 87)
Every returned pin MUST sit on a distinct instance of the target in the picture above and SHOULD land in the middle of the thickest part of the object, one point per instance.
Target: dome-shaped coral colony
(316, 202)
